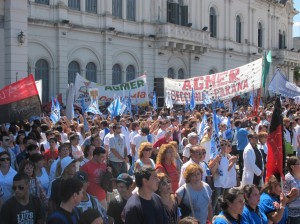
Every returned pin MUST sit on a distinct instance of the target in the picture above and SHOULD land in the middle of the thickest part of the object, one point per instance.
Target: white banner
(221, 85)
(137, 88)
(39, 86)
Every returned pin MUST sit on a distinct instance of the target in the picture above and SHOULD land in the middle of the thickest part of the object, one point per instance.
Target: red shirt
(172, 173)
(161, 141)
(95, 172)
(51, 154)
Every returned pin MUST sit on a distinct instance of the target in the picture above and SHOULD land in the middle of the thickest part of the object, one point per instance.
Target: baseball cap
(65, 162)
(124, 178)
(82, 176)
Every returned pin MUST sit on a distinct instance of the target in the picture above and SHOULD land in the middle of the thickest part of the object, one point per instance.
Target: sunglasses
(148, 149)
(19, 187)
(3, 159)
(6, 140)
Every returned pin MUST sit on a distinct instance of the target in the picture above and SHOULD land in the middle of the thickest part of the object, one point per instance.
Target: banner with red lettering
(223, 85)
(19, 100)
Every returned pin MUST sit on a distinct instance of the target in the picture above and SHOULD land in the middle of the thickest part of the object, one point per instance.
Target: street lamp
(21, 38)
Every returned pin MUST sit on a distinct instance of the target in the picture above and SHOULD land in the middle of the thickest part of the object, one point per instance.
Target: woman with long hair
(40, 170)
(292, 189)
(232, 205)
(251, 212)
(195, 194)
(35, 186)
(144, 160)
(165, 163)
(168, 198)
(88, 154)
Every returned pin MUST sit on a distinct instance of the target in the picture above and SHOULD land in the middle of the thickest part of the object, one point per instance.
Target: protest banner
(137, 88)
(219, 86)
(19, 101)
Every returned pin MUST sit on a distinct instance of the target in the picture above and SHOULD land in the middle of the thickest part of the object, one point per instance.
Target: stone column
(16, 57)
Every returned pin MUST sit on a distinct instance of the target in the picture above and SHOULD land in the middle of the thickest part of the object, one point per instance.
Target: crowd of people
(152, 167)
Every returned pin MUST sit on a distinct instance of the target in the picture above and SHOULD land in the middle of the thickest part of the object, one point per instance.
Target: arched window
(238, 29)
(213, 22)
(260, 35)
(181, 74)
(171, 73)
(91, 6)
(130, 73)
(91, 72)
(45, 2)
(130, 10)
(72, 70)
(117, 8)
(74, 4)
(42, 73)
(116, 74)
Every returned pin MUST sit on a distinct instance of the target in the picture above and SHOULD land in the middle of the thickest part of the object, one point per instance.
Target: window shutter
(184, 15)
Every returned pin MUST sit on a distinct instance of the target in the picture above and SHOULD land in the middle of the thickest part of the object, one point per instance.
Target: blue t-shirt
(266, 206)
(250, 216)
(242, 138)
(223, 218)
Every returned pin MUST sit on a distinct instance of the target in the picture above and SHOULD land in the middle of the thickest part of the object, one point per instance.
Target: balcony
(287, 57)
(175, 37)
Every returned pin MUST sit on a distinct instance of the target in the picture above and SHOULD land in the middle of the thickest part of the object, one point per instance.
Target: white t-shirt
(117, 142)
(44, 179)
(6, 183)
(137, 140)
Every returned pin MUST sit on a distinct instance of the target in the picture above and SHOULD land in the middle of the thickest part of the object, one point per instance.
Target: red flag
(276, 155)
(19, 100)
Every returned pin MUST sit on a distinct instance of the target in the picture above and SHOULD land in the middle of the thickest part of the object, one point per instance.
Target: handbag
(288, 148)
(184, 209)
(106, 181)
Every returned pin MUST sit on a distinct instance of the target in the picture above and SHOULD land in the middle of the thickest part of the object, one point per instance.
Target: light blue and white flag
(215, 142)
(206, 99)
(55, 110)
(115, 108)
(94, 107)
(203, 125)
(154, 101)
(192, 102)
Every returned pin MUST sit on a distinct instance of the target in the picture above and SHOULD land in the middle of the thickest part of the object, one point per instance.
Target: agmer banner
(221, 85)
(137, 88)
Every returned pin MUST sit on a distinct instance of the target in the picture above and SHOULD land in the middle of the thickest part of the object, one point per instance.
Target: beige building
(112, 41)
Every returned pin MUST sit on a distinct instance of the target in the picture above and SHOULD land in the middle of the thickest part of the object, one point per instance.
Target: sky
(296, 27)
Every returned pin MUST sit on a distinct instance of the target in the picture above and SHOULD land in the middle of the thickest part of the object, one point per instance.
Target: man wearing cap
(118, 157)
(124, 186)
(68, 169)
(88, 201)
(193, 140)
(145, 206)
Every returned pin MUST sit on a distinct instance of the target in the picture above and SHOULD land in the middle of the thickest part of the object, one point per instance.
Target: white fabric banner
(137, 88)
(221, 85)
(39, 86)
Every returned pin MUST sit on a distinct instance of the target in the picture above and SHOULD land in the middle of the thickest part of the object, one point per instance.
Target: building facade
(112, 41)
